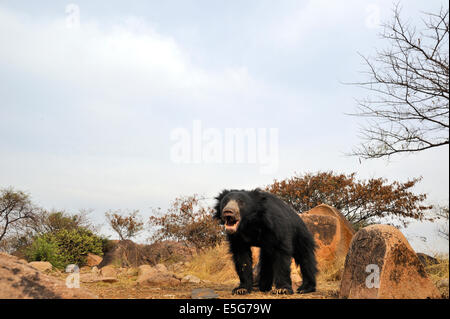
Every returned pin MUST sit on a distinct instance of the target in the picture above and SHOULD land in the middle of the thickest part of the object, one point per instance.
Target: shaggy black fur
(265, 221)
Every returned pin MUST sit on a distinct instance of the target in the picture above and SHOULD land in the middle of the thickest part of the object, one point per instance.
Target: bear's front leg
(242, 257)
(266, 271)
(282, 274)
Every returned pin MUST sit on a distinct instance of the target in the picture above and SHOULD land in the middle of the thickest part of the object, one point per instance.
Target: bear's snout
(231, 216)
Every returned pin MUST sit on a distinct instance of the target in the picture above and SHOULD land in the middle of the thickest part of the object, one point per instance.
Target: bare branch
(408, 110)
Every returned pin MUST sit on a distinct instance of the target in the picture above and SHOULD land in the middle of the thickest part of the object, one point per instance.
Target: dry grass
(216, 265)
(331, 271)
(213, 264)
(439, 272)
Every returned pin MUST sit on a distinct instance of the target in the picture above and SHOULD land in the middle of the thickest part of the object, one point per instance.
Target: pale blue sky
(86, 113)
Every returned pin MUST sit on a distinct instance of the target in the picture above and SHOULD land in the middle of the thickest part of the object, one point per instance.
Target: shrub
(76, 244)
(362, 202)
(44, 250)
(65, 247)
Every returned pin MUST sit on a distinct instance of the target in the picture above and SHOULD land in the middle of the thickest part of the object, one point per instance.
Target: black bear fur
(263, 220)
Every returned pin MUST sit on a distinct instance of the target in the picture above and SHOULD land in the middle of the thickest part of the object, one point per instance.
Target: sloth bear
(258, 218)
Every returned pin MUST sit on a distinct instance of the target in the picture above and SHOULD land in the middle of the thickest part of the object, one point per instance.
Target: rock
(153, 276)
(204, 293)
(161, 268)
(21, 281)
(90, 277)
(325, 230)
(158, 279)
(145, 269)
(132, 272)
(126, 253)
(427, 260)
(85, 269)
(443, 283)
(93, 260)
(332, 232)
(43, 266)
(108, 279)
(95, 270)
(190, 279)
(381, 264)
(176, 267)
(108, 271)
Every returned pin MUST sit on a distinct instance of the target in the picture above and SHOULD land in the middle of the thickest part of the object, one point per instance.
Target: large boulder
(332, 232)
(381, 264)
(325, 230)
(18, 280)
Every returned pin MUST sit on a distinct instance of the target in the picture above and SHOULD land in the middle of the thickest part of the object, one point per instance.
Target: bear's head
(231, 207)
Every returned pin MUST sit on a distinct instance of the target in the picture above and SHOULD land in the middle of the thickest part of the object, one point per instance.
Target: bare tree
(126, 226)
(15, 206)
(408, 109)
(189, 221)
(443, 214)
(45, 221)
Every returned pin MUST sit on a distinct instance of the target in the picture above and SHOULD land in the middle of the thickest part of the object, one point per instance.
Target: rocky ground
(19, 279)
(172, 270)
(158, 282)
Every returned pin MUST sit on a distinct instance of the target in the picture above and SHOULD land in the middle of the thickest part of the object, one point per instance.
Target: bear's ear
(218, 201)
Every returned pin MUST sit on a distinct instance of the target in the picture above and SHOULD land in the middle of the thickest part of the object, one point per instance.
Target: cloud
(317, 20)
(90, 109)
(126, 59)
(86, 112)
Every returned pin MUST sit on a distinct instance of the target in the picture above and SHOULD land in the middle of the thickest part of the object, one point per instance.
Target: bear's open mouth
(231, 222)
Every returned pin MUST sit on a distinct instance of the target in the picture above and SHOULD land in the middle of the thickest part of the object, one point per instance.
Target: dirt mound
(126, 253)
(381, 264)
(19, 280)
